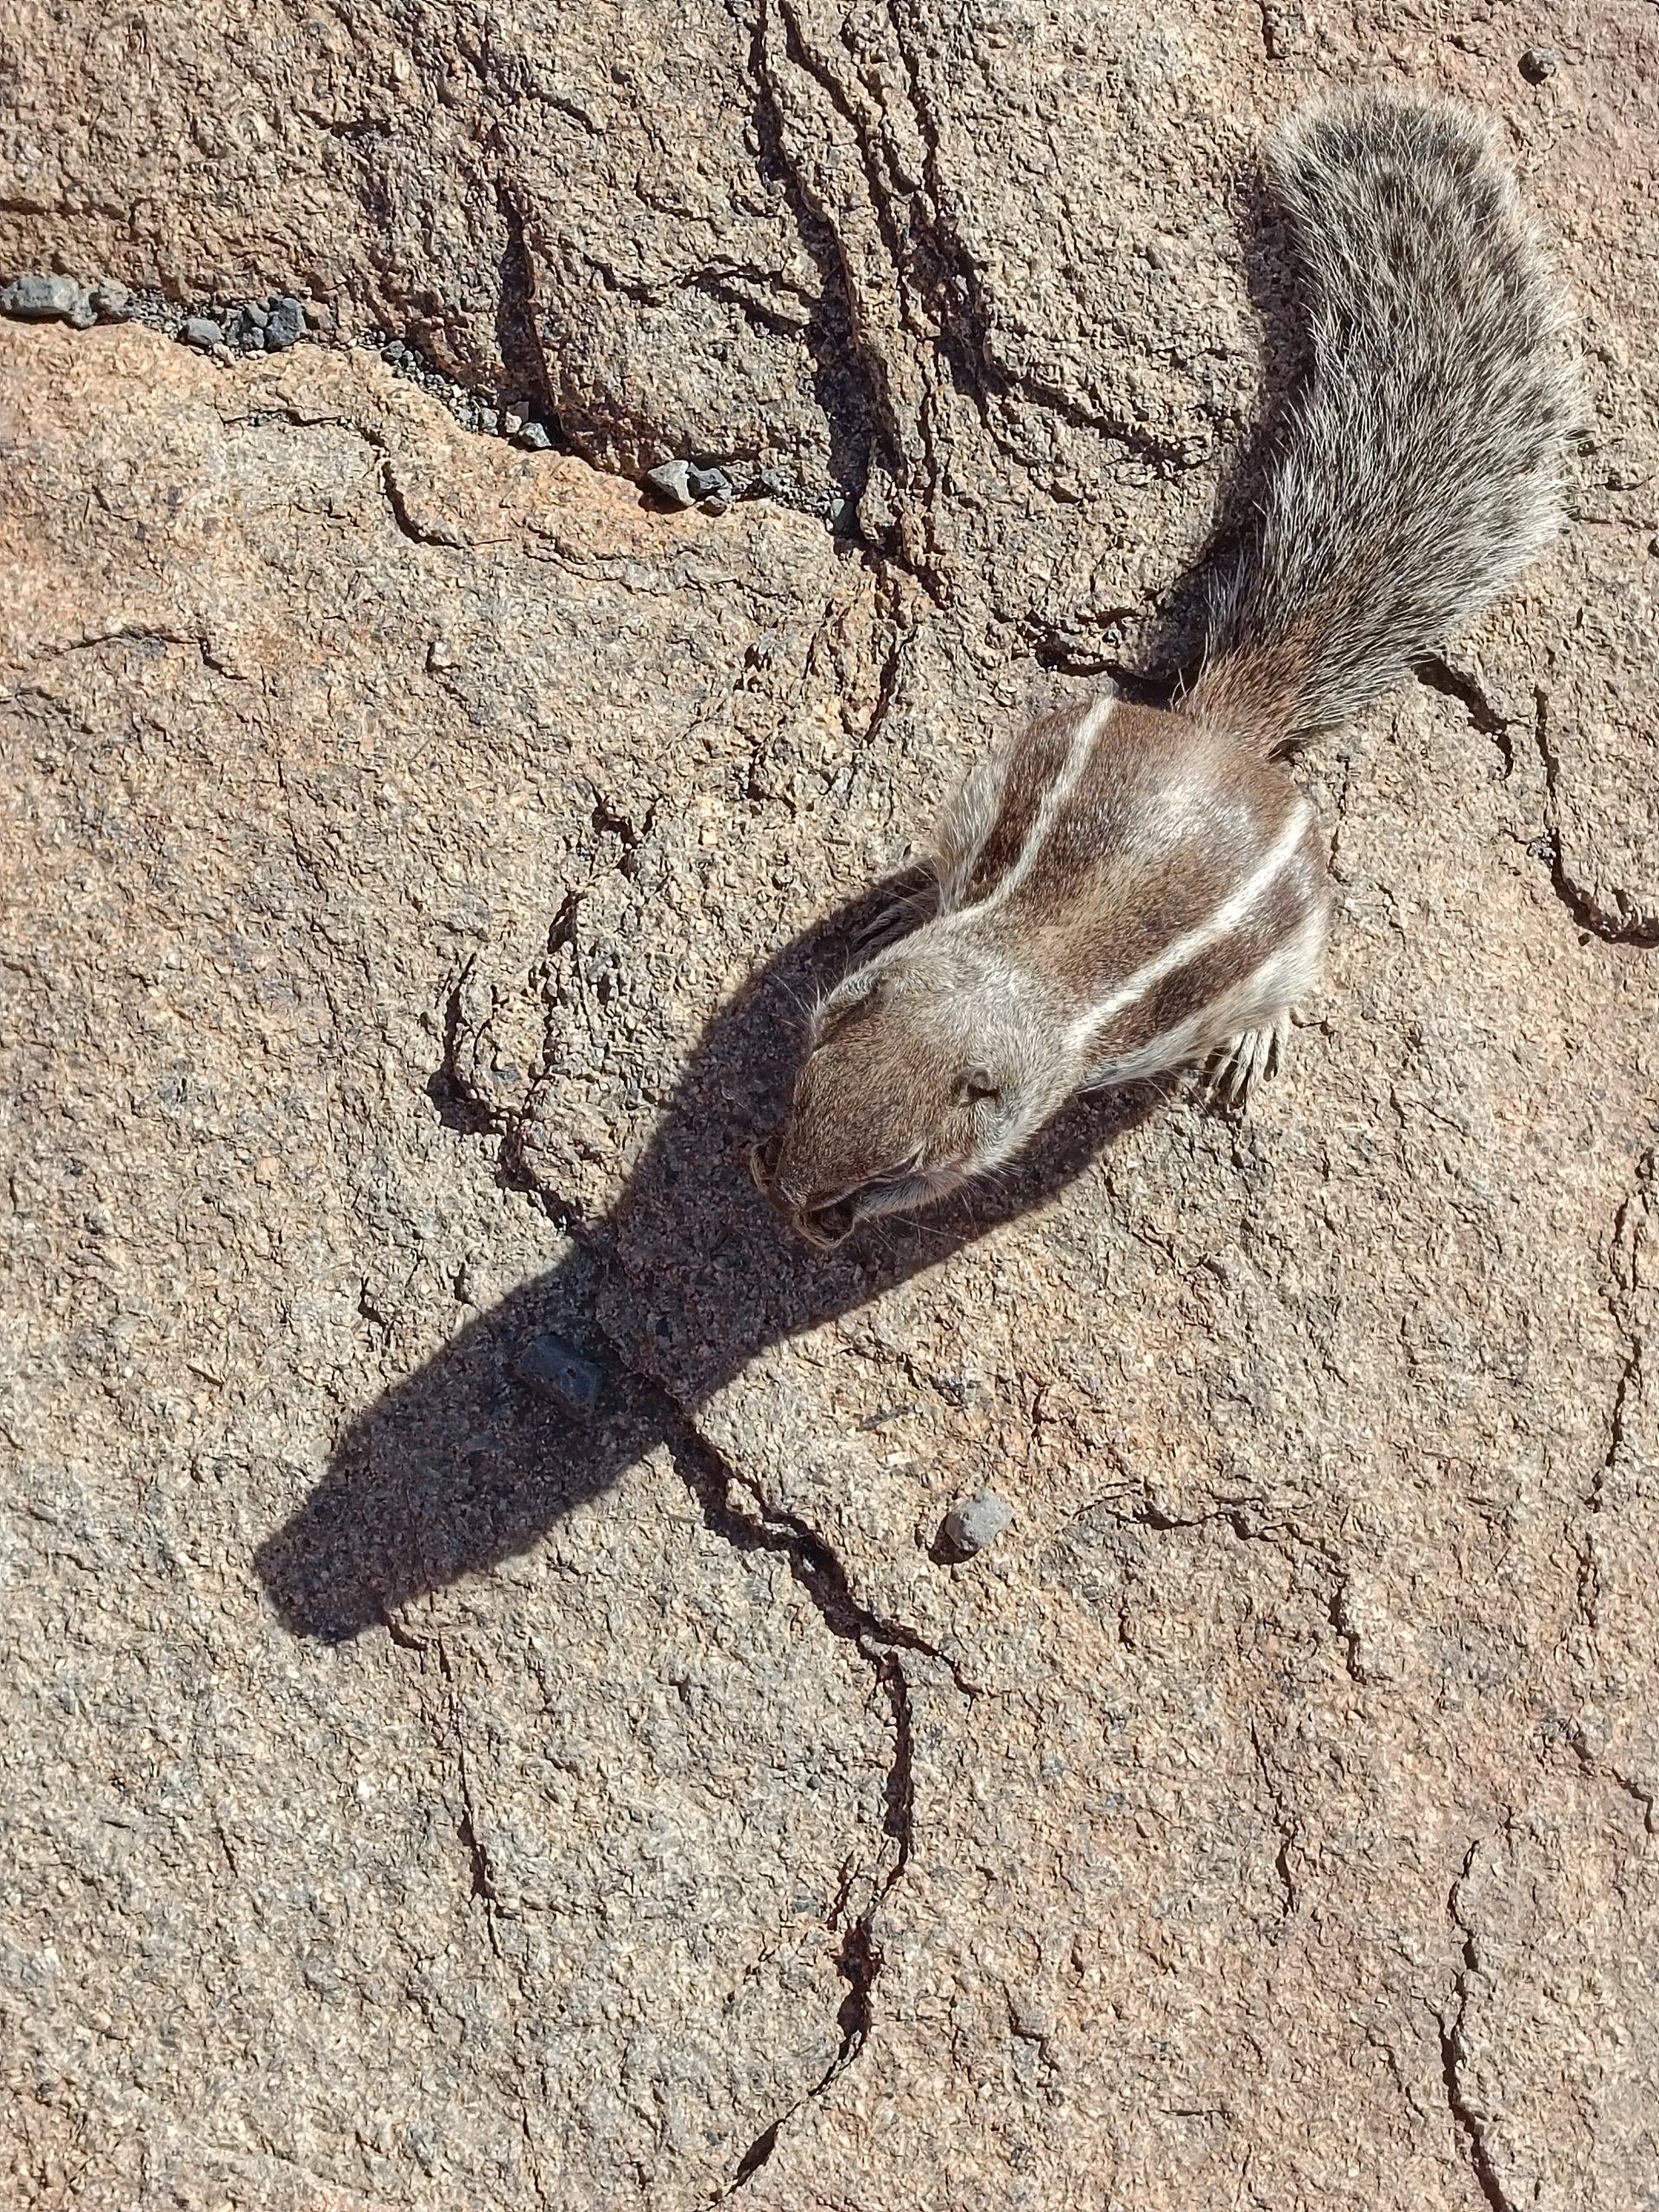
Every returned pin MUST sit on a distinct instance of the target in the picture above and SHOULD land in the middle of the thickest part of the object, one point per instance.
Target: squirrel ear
(836, 1017)
(978, 1084)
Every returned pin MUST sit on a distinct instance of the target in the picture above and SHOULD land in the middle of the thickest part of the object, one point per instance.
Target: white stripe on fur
(1048, 813)
(1233, 909)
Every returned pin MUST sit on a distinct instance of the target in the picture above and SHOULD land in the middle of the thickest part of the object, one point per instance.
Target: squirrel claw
(1244, 1061)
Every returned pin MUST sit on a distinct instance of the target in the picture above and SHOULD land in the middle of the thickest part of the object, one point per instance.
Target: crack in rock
(481, 1881)
(755, 1525)
(1586, 909)
(1634, 928)
(1473, 2127)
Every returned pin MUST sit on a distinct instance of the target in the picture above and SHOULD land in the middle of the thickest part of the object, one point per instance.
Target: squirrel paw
(1246, 1060)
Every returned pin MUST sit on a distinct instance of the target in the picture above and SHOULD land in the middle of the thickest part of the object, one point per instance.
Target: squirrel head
(926, 1067)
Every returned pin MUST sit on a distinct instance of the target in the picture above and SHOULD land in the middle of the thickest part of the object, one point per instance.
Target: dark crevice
(1641, 930)
(1438, 675)
(457, 1109)
(848, 381)
(444, 534)
(1141, 687)
(1637, 929)
(481, 1873)
(478, 1857)
(518, 332)
(755, 1524)
(735, 1509)
(1471, 2126)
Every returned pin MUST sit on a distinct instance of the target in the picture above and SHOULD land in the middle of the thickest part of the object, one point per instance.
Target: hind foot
(1245, 1060)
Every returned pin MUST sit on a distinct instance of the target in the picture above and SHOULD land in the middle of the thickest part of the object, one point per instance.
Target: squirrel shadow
(468, 1462)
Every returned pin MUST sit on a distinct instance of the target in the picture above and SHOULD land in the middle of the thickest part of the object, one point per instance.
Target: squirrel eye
(976, 1085)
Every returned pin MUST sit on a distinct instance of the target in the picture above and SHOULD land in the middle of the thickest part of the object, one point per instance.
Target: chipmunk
(1124, 890)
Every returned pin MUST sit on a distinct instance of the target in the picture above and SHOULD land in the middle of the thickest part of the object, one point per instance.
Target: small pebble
(317, 316)
(573, 1384)
(710, 483)
(1538, 62)
(671, 481)
(534, 438)
(285, 324)
(110, 301)
(688, 485)
(45, 299)
(255, 316)
(200, 331)
(973, 1523)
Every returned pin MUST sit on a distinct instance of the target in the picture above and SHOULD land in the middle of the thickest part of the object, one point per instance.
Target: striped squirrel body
(1125, 890)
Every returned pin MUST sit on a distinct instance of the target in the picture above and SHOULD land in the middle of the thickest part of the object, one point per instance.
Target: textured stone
(43, 299)
(973, 1523)
(549, 1364)
(417, 855)
(284, 325)
(542, 1893)
(673, 480)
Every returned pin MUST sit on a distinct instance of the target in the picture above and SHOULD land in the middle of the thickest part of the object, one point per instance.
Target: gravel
(273, 325)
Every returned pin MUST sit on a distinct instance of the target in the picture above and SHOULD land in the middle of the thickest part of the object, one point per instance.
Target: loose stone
(285, 324)
(44, 299)
(973, 1523)
(550, 1366)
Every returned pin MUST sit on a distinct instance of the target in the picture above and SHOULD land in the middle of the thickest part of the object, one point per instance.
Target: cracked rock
(440, 1712)
(419, 867)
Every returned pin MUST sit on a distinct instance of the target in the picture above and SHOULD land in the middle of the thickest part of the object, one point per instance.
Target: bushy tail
(1421, 467)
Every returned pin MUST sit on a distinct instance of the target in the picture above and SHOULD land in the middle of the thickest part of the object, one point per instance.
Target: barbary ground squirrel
(1123, 890)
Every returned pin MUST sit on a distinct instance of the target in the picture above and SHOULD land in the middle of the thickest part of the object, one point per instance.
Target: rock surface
(417, 850)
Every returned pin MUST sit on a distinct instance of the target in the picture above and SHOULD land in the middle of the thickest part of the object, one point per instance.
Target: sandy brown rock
(417, 853)
(995, 286)
(466, 1904)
